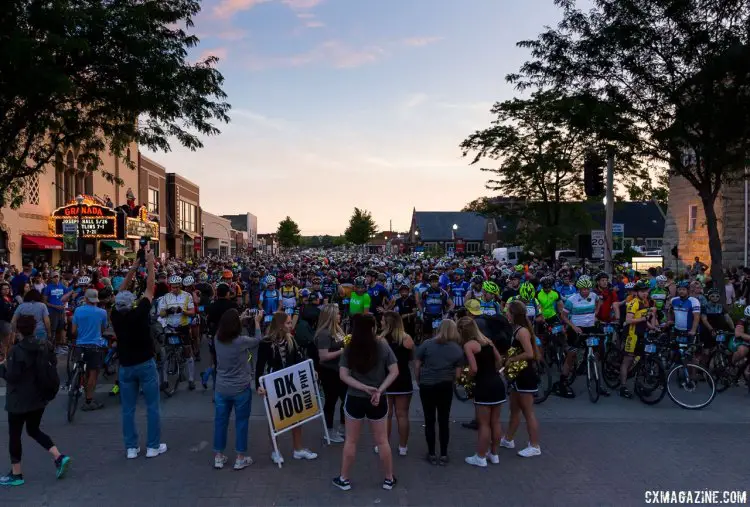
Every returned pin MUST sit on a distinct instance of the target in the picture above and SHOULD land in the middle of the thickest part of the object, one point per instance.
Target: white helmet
(630, 285)
(84, 280)
(188, 281)
(747, 311)
(661, 279)
(270, 279)
(175, 280)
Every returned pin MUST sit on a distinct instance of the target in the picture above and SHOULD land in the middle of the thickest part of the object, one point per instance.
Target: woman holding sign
(368, 366)
(277, 351)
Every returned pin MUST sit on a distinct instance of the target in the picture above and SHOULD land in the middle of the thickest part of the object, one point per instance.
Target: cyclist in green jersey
(550, 301)
(359, 301)
(659, 295)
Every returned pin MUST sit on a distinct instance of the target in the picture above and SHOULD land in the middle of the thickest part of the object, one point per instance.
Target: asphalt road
(610, 453)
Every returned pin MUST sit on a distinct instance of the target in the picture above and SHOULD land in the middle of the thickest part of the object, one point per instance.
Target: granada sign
(96, 221)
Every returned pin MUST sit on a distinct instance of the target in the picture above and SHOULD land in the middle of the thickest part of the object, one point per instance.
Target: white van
(507, 254)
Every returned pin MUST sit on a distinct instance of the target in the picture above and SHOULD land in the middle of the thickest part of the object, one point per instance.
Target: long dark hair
(33, 296)
(362, 351)
(517, 314)
(230, 326)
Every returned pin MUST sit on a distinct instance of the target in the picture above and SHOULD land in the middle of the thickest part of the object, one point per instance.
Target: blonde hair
(393, 328)
(277, 333)
(469, 330)
(448, 332)
(329, 321)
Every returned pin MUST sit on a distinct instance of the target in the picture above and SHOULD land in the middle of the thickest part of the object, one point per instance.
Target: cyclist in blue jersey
(458, 287)
(270, 299)
(488, 304)
(565, 287)
(685, 310)
(433, 304)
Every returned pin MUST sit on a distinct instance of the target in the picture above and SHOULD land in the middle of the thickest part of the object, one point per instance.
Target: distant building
(248, 223)
(218, 235)
(267, 243)
(183, 217)
(436, 228)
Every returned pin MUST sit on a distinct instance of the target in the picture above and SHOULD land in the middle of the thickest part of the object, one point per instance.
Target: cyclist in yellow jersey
(639, 318)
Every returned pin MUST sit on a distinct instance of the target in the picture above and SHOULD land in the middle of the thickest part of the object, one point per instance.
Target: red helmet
(227, 274)
(288, 277)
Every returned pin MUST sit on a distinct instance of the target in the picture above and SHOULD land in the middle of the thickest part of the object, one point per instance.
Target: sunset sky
(343, 103)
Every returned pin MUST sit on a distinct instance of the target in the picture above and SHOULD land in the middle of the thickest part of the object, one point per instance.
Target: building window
(188, 216)
(59, 181)
(153, 201)
(79, 184)
(692, 217)
(472, 247)
(653, 244)
(490, 227)
(69, 182)
(31, 190)
(88, 183)
(449, 246)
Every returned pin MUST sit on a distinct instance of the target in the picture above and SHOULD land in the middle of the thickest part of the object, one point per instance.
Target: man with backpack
(30, 369)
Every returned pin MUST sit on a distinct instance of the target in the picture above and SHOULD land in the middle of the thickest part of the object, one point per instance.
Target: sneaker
(62, 463)
(625, 393)
(389, 484)
(304, 454)
(603, 391)
(342, 484)
(476, 461)
(11, 479)
(508, 444)
(376, 450)
(219, 461)
(245, 462)
(564, 391)
(277, 458)
(432, 459)
(444, 460)
(152, 453)
(191, 385)
(402, 450)
(530, 451)
(204, 379)
(92, 405)
(493, 458)
(115, 390)
(335, 437)
(133, 452)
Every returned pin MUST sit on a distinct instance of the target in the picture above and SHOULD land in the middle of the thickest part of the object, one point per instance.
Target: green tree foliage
(675, 75)
(97, 75)
(288, 233)
(361, 227)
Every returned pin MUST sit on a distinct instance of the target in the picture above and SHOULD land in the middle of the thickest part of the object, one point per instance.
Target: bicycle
(177, 342)
(593, 380)
(544, 372)
(554, 352)
(720, 363)
(688, 376)
(76, 384)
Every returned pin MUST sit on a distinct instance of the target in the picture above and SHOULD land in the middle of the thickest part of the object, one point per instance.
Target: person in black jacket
(24, 401)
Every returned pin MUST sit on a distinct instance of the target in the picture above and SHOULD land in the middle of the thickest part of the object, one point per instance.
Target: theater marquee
(96, 221)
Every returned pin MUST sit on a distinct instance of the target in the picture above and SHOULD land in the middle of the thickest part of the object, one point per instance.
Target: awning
(190, 235)
(41, 243)
(114, 245)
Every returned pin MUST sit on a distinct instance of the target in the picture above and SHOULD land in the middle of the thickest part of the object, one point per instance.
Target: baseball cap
(124, 300)
(54, 274)
(92, 295)
(473, 306)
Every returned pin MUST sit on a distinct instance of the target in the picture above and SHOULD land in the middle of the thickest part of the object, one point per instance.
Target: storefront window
(153, 201)
(188, 216)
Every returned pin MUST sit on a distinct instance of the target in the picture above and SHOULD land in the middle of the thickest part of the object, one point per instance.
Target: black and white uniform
(489, 386)
(527, 380)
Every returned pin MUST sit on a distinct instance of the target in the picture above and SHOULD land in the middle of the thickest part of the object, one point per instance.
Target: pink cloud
(227, 8)
(421, 41)
(333, 53)
(302, 4)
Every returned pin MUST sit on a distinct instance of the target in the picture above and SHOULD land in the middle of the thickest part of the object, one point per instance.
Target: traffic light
(593, 175)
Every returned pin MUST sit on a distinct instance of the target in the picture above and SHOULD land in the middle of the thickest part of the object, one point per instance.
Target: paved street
(604, 454)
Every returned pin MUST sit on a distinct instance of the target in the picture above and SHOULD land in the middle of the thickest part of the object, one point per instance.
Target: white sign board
(598, 243)
(618, 237)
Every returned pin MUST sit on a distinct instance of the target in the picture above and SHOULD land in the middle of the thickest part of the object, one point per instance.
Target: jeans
(132, 379)
(32, 420)
(437, 398)
(241, 403)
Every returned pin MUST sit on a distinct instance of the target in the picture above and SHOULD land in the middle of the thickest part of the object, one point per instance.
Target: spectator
(329, 342)
(7, 305)
(89, 323)
(729, 288)
(25, 402)
(132, 326)
(32, 305)
(21, 279)
(55, 295)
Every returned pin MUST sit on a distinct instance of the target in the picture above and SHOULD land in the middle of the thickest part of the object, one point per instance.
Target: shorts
(57, 321)
(634, 344)
(427, 329)
(527, 381)
(93, 356)
(358, 408)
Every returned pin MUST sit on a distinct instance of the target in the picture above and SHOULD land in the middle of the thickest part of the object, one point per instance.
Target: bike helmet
(359, 281)
(434, 277)
(491, 287)
(459, 271)
(399, 278)
(641, 285)
(661, 280)
(304, 293)
(227, 274)
(203, 277)
(188, 281)
(600, 275)
(584, 282)
(683, 284)
(288, 277)
(712, 292)
(629, 286)
(747, 311)
(270, 280)
(84, 280)
(518, 268)
(547, 281)
(526, 291)
(476, 279)
(175, 280)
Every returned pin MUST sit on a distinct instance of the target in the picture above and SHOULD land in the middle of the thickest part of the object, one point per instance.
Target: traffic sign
(598, 242)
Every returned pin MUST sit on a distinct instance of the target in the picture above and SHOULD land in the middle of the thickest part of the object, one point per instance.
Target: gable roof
(438, 225)
(639, 219)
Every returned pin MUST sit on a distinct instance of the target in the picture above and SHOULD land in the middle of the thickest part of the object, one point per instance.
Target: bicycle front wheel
(174, 372)
(720, 369)
(544, 388)
(691, 386)
(592, 378)
(611, 367)
(650, 381)
(74, 394)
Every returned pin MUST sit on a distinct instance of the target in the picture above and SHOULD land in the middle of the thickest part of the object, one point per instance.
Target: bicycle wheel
(70, 361)
(545, 382)
(74, 394)
(691, 386)
(592, 378)
(174, 372)
(720, 369)
(611, 367)
(650, 381)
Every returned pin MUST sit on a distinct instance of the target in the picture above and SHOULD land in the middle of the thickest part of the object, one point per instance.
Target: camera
(142, 250)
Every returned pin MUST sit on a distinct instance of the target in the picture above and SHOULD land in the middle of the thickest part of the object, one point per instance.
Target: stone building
(685, 226)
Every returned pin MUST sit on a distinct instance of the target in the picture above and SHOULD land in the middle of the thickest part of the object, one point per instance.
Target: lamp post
(203, 240)
(79, 200)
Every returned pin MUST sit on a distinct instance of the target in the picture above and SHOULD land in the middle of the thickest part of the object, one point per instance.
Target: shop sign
(96, 221)
(137, 228)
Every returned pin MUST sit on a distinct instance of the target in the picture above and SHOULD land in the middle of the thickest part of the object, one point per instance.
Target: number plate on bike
(345, 301)
(538, 342)
(592, 342)
(201, 308)
(174, 340)
(609, 329)
(721, 338)
(267, 318)
(436, 323)
(650, 348)
(682, 339)
(557, 329)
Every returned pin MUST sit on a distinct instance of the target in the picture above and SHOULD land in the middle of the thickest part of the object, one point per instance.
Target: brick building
(152, 191)
(183, 217)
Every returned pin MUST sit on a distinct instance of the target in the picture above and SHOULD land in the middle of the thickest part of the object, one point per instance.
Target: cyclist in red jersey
(609, 310)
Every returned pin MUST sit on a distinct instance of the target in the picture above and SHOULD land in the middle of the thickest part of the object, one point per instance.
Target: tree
(288, 233)
(650, 188)
(674, 73)
(96, 75)
(361, 227)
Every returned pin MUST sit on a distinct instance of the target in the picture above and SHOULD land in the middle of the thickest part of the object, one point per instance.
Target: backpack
(47, 379)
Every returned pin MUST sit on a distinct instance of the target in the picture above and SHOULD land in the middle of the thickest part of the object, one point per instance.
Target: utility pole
(610, 212)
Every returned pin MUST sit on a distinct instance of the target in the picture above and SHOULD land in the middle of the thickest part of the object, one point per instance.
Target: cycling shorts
(634, 344)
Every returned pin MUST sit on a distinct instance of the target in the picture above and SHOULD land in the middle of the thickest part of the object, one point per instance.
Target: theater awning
(41, 243)
(114, 245)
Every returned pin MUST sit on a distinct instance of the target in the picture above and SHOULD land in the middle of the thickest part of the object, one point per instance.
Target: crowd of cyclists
(535, 315)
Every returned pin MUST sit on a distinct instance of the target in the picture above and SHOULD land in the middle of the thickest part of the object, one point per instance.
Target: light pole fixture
(79, 200)
(453, 233)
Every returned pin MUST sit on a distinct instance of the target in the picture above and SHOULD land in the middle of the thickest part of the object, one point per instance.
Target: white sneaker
(277, 458)
(508, 444)
(494, 458)
(376, 450)
(245, 462)
(133, 452)
(152, 453)
(335, 437)
(304, 454)
(477, 461)
(402, 450)
(530, 451)
(219, 461)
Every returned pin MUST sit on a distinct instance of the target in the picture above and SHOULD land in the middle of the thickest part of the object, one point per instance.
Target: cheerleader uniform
(403, 383)
(489, 386)
(527, 380)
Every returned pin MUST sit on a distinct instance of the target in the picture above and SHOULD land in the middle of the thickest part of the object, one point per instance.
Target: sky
(344, 103)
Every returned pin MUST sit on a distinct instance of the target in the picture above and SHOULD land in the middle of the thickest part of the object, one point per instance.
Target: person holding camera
(176, 308)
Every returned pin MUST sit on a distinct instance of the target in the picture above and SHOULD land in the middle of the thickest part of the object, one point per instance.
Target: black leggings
(334, 389)
(15, 429)
(437, 399)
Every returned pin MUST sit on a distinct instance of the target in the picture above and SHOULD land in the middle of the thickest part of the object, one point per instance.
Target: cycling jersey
(548, 302)
(420, 288)
(489, 308)
(434, 301)
(532, 307)
(378, 295)
(660, 297)
(609, 299)
(581, 311)
(171, 300)
(269, 301)
(289, 299)
(566, 291)
(639, 309)
(358, 303)
(329, 290)
(458, 291)
(684, 312)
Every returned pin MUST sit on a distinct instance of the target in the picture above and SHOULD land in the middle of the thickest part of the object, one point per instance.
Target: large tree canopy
(288, 233)
(361, 227)
(674, 74)
(96, 75)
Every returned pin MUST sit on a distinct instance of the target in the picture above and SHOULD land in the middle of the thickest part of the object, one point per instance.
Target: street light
(453, 234)
(79, 200)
